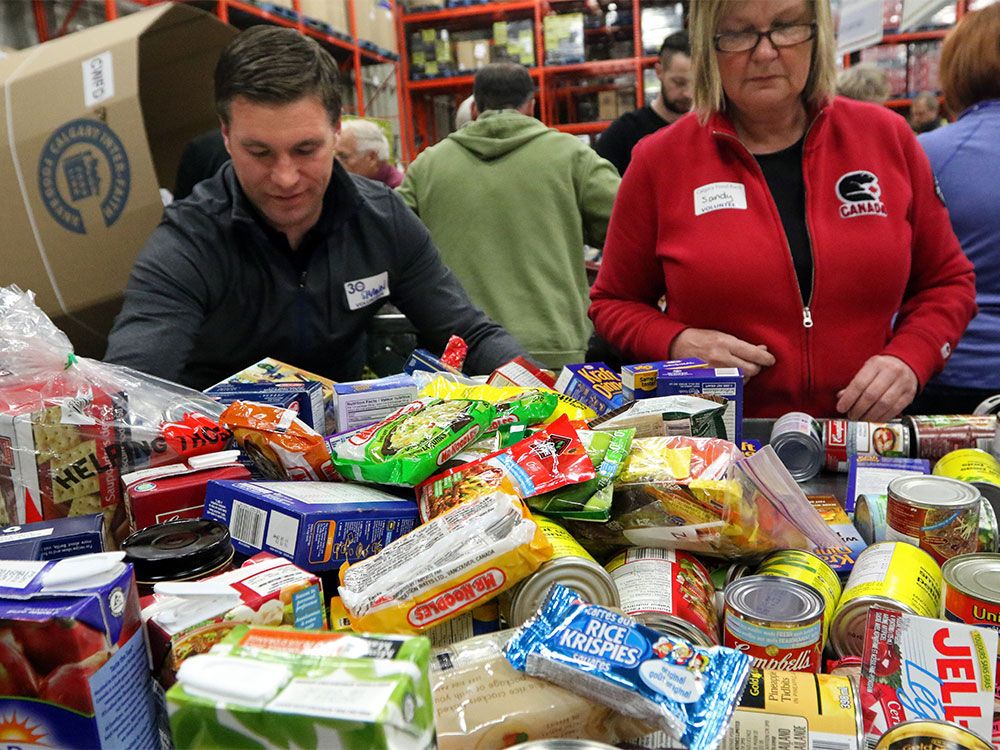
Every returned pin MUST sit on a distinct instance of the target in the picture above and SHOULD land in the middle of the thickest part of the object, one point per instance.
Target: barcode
(829, 743)
(247, 524)
(870, 742)
(648, 553)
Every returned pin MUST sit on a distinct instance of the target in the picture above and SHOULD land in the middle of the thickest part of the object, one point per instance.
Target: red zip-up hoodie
(695, 221)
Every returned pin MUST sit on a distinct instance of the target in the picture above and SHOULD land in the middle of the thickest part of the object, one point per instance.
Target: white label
(645, 586)
(98, 79)
(332, 493)
(17, 574)
(362, 292)
(275, 579)
(247, 524)
(719, 195)
(282, 531)
(287, 417)
(20, 537)
(677, 683)
(334, 698)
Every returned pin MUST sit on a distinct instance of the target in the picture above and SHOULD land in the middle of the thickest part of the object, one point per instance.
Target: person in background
(925, 111)
(965, 157)
(463, 115)
(673, 69)
(790, 241)
(363, 149)
(202, 157)
(283, 253)
(865, 82)
(510, 203)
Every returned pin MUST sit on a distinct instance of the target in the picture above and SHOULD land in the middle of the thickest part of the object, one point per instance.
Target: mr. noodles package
(455, 562)
(688, 691)
(409, 445)
(561, 404)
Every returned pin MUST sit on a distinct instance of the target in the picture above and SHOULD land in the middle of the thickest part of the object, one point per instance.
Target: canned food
(893, 575)
(975, 466)
(971, 592)
(822, 709)
(937, 514)
(776, 621)
(849, 667)
(562, 745)
(924, 734)
(810, 570)
(185, 549)
(937, 435)
(722, 576)
(844, 439)
(570, 565)
(869, 517)
(797, 438)
(668, 591)
(989, 405)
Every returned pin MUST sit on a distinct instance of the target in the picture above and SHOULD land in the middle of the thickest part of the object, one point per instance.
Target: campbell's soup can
(937, 514)
(924, 734)
(809, 569)
(971, 592)
(892, 575)
(937, 435)
(570, 565)
(668, 591)
(844, 439)
(776, 621)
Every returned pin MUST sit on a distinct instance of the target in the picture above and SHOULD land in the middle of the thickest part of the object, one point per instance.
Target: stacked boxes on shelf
(329, 16)
(923, 69)
(431, 54)
(472, 50)
(514, 41)
(563, 34)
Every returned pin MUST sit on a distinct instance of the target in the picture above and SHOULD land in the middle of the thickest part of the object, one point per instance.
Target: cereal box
(594, 384)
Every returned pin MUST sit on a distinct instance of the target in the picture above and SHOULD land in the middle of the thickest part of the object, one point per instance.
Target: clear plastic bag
(71, 426)
(701, 495)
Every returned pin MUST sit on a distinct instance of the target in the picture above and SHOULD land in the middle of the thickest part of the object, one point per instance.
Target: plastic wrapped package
(562, 405)
(71, 426)
(699, 495)
(481, 702)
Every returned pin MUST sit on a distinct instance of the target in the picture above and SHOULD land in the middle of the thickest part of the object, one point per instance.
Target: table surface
(824, 483)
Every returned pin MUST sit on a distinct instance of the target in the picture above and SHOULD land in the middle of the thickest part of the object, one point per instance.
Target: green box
(284, 688)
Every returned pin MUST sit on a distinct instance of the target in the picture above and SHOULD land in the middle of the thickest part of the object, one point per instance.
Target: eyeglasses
(779, 36)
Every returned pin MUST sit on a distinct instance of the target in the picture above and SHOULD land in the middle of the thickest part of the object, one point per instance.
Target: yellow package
(447, 389)
(451, 564)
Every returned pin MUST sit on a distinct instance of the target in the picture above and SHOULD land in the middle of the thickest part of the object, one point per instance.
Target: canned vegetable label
(810, 570)
(969, 465)
(896, 571)
(937, 514)
(938, 435)
(563, 543)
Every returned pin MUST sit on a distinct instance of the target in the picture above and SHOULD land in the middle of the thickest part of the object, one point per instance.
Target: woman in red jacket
(792, 233)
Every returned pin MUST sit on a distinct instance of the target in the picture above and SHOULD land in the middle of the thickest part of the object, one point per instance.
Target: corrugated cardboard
(91, 125)
(376, 23)
(333, 12)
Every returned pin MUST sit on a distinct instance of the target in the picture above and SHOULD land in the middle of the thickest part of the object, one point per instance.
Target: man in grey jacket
(283, 253)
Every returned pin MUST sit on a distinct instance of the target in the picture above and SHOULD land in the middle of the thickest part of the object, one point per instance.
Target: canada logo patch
(860, 195)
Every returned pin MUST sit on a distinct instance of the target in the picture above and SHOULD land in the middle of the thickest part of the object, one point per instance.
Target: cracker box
(167, 493)
(639, 381)
(364, 402)
(318, 525)
(270, 370)
(54, 539)
(262, 687)
(870, 475)
(423, 361)
(521, 372)
(75, 664)
(59, 456)
(726, 382)
(189, 618)
(593, 384)
(305, 399)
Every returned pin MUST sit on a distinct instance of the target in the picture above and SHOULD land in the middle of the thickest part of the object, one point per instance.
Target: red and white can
(776, 621)
(844, 439)
(668, 591)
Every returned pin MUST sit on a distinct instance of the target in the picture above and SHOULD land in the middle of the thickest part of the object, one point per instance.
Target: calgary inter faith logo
(860, 195)
(84, 175)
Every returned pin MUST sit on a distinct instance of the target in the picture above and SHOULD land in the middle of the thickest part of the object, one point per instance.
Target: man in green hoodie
(510, 203)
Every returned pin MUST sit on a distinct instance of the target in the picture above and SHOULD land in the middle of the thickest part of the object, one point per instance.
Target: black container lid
(178, 550)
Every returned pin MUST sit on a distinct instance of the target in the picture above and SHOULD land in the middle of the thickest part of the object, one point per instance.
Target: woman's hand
(721, 350)
(883, 387)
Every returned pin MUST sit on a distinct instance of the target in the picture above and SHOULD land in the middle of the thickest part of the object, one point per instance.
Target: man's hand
(883, 387)
(721, 350)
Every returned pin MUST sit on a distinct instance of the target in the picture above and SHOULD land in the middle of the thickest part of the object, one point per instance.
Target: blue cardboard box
(593, 384)
(870, 475)
(54, 539)
(364, 402)
(306, 399)
(317, 525)
(726, 382)
(639, 381)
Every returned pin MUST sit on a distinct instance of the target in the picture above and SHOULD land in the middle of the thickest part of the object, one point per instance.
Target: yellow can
(563, 543)
(891, 575)
(810, 570)
(939, 735)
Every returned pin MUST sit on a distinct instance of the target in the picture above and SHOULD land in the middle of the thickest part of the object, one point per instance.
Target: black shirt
(783, 172)
(616, 143)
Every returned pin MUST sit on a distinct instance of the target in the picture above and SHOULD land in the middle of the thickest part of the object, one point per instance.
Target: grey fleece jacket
(215, 289)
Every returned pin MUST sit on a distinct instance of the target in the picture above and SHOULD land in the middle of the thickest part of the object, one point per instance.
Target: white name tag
(719, 195)
(363, 292)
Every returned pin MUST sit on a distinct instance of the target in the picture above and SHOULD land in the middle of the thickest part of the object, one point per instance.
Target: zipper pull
(807, 318)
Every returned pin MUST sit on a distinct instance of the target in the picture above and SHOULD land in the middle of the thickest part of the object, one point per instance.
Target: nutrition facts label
(645, 586)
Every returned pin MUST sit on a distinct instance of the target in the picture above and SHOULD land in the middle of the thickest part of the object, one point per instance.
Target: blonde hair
(709, 96)
(865, 82)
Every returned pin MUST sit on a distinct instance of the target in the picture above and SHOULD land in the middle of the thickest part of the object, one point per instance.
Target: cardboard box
(265, 591)
(472, 54)
(331, 12)
(76, 668)
(365, 402)
(563, 34)
(53, 540)
(305, 399)
(375, 22)
(594, 384)
(168, 493)
(92, 125)
(726, 382)
(317, 525)
(639, 381)
(607, 105)
(514, 41)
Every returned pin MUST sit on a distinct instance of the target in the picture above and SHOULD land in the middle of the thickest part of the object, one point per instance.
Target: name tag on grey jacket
(362, 292)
